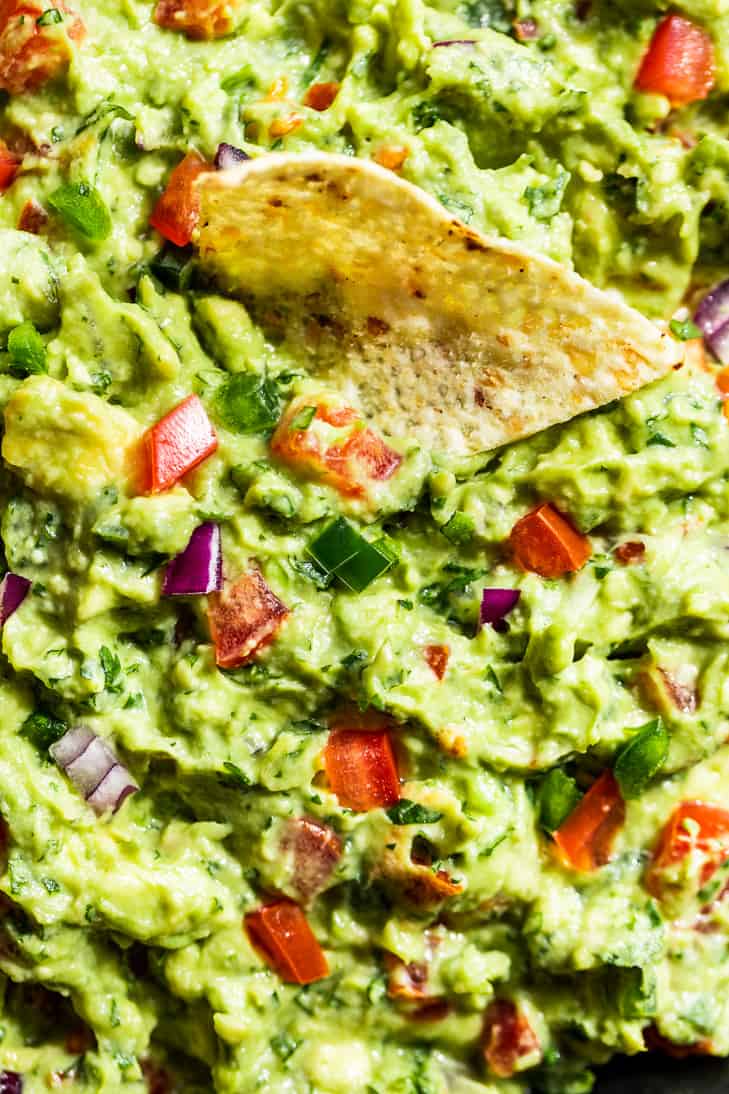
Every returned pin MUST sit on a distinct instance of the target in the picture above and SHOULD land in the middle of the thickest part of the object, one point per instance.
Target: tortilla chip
(437, 332)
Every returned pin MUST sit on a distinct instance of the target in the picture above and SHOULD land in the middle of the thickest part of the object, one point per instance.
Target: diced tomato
(321, 96)
(158, 1081)
(546, 543)
(437, 658)
(693, 827)
(424, 888)
(508, 1038)
(406, 981)
(9, 164)
(197, 18)
(329, 441)
(33, 217)
(361, 768)
(243, 619)
(363, 452)
(392, 156)
(585, 839)
(177, 444)
(316, 851)
(722, 382)
(281, 127)
(176, 213)
(628, 553)
(656, 1042)
(30, 54)
(280, 931)
(679, 62)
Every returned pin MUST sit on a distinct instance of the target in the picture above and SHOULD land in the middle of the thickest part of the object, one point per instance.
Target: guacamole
(398, 805)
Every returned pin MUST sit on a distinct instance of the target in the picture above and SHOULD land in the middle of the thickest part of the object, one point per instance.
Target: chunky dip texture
(326, 764)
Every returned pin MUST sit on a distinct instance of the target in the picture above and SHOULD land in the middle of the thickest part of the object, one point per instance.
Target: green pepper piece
(27, 350)
(558, 796)
(82, 207)
(248, 403)
(641, 758)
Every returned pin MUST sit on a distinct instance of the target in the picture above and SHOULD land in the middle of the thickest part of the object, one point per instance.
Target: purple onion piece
(113, 789)
(71, 745)
(718, 343)
(11, 1082)
(13, 591)
(229, 156)
(93, 765)
(455, 42)
(496, 603)
(713, 311)
(199, 568)
(93, 769)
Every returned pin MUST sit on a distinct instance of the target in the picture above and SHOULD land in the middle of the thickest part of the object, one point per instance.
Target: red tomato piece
(546, 543)
(316, 851)
(507, 1038)
(177, 210)
(33, 217)
(585, 839)
(679, 62)
(243, 619)
(177, 444)
(361, 768)
(31, 54)
(280, 931)
(706, 832)
(9, 164)
(437, 658)
(321, 96)
(363, 453)
(197, 18)
(328, 441)
(406, 981)
(656, 1042)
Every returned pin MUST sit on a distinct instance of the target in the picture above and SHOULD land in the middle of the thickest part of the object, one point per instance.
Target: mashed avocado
(466, 950)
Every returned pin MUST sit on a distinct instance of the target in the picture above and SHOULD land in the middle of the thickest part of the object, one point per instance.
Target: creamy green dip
(121, 941)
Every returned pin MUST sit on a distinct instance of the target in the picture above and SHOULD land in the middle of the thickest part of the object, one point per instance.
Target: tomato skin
(361, 768)
(177, 444)
(9, 164)
(710, 837)
(679, 62)
(350, 463)
(321, 96)
(243, 619)
(31, 55)
(283, 936)
(437, 659)
(546, 543)
(198, 19)
(316, 851)
(585, 838)
(176, 213)
(507, 1038)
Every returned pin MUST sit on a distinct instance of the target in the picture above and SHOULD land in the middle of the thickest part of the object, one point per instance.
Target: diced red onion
(718, 343)
(93, 769)
(11, 1082)
(229, 156)
(13, 591)
(112, 790)
(199, 568)
(71, 745)
(713, 312)
(497, 603)
(455, 42)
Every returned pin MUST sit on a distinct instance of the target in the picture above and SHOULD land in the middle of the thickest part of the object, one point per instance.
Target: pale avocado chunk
(125, 965)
